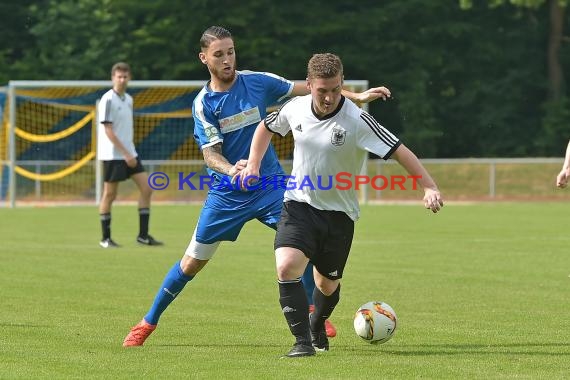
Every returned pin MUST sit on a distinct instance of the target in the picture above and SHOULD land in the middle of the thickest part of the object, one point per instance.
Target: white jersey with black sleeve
(117, 110)
(329, 152)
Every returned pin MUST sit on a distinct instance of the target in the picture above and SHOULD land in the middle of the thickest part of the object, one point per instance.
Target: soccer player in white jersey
(226, 112)
(115, 147)
(332, 135)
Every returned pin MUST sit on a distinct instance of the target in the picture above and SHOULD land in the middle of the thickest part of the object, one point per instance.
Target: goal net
(50, 153)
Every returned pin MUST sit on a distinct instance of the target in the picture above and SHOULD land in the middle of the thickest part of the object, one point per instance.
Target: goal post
(52, 146)
(49, 130)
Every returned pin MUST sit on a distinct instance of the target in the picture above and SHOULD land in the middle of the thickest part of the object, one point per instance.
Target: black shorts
(325, 237)
(118, 170)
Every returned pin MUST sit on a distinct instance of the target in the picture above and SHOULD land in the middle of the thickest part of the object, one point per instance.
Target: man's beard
(223, 77)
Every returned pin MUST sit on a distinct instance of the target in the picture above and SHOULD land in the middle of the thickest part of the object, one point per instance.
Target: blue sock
(172, 285)
(309, 283)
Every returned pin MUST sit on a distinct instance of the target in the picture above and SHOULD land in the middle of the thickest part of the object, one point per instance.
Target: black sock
(295, 308)
(106, 225)
(144, 216)
(324, 307)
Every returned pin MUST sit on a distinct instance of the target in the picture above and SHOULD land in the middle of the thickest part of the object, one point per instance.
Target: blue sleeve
(277, 88)
(206, 127)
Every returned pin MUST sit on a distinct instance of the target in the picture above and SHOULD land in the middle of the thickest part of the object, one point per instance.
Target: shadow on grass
(534, 348)
(531, 348)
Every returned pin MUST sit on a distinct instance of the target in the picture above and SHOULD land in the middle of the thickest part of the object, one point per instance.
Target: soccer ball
(375, 322)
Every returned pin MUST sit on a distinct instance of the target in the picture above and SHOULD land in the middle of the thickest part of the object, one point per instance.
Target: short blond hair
(120, 66)
(324, 65)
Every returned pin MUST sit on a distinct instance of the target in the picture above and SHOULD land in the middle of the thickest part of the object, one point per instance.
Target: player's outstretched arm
(368, 95)
(216, 161)
(564, 175)
(129, 159)
(562, 178)
(409, 161)
(300, 89)
(259, 144)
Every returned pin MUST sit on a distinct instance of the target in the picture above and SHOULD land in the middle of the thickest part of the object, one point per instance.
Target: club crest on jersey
(338, 136)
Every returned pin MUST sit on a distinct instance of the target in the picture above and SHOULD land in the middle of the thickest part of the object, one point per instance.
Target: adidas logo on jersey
(335, 273)
(298, 128)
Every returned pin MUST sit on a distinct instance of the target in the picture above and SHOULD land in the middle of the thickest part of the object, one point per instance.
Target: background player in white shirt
(332, 135)
(115, 147)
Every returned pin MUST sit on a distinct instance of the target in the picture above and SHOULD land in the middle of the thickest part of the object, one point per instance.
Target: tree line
(468, 78)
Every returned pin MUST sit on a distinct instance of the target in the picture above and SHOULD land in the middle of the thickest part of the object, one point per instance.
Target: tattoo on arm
(215, 159)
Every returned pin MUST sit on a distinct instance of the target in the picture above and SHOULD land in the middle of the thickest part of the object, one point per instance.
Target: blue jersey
(231, 118)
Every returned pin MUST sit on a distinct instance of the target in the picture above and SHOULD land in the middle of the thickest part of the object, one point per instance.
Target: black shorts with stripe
(118, 170)
(325, 237)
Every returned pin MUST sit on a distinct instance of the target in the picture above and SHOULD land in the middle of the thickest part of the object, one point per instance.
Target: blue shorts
(224, 214)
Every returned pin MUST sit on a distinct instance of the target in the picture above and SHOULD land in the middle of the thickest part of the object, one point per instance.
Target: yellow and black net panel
(55, 137)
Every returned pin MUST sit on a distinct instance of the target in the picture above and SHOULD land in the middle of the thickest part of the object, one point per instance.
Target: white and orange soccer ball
(375, 322)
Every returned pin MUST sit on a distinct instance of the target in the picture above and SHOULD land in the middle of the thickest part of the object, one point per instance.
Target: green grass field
(481, 291)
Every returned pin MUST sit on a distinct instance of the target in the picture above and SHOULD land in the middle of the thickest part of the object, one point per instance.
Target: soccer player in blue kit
(226, 113)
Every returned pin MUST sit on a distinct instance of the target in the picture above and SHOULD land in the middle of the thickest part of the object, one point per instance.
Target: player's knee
(326, 285)
(146, 192)
(191, 266)
(290, 263)
(287, 272)
(109, 196)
